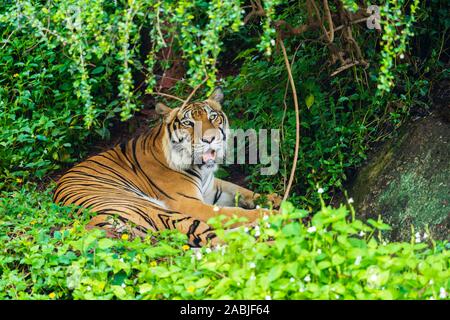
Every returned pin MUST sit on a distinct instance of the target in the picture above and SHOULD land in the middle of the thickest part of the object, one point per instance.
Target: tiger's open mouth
(209, 158)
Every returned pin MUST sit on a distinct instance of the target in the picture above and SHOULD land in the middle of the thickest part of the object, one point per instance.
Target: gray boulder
(407, 181)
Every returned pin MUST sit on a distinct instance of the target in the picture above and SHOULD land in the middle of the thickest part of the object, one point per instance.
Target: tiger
(164, 178)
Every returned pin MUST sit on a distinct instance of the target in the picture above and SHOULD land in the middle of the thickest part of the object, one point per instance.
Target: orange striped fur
(137, 188)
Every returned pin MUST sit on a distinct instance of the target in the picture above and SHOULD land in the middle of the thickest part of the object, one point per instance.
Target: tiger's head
(195, 134)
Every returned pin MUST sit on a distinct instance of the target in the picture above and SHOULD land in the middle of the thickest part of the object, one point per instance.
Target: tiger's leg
(225, 193)
(139, 217)
(115, 226)
(199, 233)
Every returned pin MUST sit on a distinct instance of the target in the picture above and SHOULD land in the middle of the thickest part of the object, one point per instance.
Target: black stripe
(193, 227)
(218, 194)
(145, 175)
(189, 197)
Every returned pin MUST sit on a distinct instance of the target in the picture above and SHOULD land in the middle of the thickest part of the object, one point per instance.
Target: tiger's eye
(213, 116)
(186, 123)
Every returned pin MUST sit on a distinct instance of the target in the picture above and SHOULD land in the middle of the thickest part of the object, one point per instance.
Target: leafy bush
(41, 105)
(334, 122)
(342, 116)
(46, 254)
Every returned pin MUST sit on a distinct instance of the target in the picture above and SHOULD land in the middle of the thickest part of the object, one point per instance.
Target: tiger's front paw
(275, 199)
(272, 200)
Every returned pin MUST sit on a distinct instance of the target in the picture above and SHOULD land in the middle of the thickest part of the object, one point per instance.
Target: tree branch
(297, 120)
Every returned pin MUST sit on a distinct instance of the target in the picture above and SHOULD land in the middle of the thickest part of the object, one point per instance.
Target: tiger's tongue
(209, 155)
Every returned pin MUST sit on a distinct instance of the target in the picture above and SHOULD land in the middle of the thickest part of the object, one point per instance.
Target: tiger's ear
(167, 113)
(162, 109)
(217, 95)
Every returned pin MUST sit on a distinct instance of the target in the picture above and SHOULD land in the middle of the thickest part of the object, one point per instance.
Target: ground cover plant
(47, 255)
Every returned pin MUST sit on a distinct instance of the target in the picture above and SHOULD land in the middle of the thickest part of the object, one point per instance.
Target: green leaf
(275, 272)
(323, 265)
(309, 101)
(98, 70)
(105, 243)
(337, 259)
(145, 287)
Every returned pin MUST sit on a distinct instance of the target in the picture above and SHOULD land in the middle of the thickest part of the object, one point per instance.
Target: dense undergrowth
(48, 254)
(342, 116)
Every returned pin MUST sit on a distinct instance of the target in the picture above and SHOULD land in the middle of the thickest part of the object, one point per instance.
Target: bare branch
(297, 120)
(168, 96)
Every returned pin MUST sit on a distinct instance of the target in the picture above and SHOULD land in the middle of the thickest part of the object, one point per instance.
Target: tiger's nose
(209, 139)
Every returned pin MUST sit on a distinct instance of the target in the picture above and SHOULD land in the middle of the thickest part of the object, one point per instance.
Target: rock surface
(407, 181)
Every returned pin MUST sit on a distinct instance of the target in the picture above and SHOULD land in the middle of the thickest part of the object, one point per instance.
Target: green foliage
(394, 42)
(47, 254)
(67, 68)
(334, 122)
(341, 116)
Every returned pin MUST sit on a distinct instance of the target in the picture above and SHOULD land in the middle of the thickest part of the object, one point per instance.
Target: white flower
(121, 259)
(351, 200)
(320, 191)
(265, 217)
(337, 296)
(431, 281)
(258, 207)
(246, 229)
(442, 293)
(418, 235)
(431, 298)
(373, 278)
(302, 289)
(319, 251)
(198, 255)
(424, 236)
(362, 233)
(402, 56)
(267, 225)
(216, 208)
(257, 231)
(311, 229)
(358, 260)
(418, 240)
(268, 297)
(123, 285)
(253, 277)
(291, 279)
(88, 288)
(208, 250)
(252, 265)
(307, 278)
